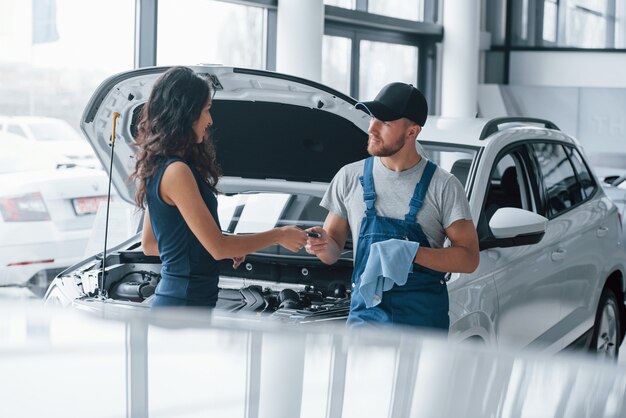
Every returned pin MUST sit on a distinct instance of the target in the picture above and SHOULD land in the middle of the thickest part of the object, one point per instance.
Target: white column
(282, 375)
(459, 77)
(300, 29)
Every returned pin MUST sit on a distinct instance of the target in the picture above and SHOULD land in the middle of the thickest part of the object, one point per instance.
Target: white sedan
(47, 208)
(52, 135)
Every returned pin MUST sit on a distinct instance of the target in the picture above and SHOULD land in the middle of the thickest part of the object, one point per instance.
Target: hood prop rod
(101, 291)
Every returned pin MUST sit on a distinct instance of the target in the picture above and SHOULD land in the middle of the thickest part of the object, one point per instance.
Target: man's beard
(380, 150)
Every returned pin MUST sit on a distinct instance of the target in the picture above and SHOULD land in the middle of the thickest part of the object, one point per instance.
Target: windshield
(247, 213)
(453, 158)
(53, 130)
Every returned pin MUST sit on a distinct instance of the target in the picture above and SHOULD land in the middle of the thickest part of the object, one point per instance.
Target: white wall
(568, 69)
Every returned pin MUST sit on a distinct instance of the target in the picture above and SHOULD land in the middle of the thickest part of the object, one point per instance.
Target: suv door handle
(558, 254)
(601, 231)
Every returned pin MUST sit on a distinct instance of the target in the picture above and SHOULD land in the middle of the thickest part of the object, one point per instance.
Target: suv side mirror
(512, 227)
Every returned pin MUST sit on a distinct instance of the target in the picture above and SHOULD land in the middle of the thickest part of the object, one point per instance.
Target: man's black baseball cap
(395, 101)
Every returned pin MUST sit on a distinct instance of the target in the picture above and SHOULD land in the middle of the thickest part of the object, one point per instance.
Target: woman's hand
(238, 260)
(314, 246)
(292, 238)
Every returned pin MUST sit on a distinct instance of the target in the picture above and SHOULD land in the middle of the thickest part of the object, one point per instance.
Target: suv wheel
(606, 330)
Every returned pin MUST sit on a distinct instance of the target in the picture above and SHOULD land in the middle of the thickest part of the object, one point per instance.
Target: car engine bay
(297, 288)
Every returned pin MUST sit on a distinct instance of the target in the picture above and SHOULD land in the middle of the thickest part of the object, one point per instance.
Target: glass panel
(456, 160)
(402, 9)
(51, 61)
(586, 24)
(346, 4)
(375, 70)
(336, 53)
(587, 181)
(562, 187)
(255, 212)
(549, 21)
(585, 29)
(215, 32)
(599, 6)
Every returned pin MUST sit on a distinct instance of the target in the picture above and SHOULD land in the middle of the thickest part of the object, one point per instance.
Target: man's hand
(315, 246)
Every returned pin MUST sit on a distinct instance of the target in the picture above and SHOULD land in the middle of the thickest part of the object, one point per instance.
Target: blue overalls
(423, 300)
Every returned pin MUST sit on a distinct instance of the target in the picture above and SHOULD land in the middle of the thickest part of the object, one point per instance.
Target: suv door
(526, 279)
(577, 234)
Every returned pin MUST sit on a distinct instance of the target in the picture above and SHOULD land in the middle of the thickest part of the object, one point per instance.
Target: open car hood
(267, 126)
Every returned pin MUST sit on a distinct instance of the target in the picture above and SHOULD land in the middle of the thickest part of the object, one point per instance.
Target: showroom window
(550, 16)
(336, 52)
(595, 24)
(402, 9)
(381, 42)
(51, 62)
(382, 63)
(589, 23)
(215, 33)
(346, 4)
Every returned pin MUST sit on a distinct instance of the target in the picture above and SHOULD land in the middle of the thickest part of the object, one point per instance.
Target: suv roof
(474, 131)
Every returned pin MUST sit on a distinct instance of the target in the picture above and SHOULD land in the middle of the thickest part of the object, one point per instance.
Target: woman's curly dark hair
(165, 128)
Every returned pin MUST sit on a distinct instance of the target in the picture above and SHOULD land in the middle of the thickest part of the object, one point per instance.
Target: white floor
(17, 293)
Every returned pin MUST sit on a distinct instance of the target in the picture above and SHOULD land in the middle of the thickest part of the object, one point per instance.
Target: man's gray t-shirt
(445, 200)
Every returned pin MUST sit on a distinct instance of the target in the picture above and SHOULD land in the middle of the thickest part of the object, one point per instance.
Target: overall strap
(420, 192)
(367, 182)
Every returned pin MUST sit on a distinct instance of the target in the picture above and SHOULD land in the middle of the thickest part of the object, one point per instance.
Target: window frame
(519, 152)
(564, 146)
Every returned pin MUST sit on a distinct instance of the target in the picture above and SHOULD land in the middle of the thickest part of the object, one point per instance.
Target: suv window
(509, 186)
(586, 180)
(561, 184)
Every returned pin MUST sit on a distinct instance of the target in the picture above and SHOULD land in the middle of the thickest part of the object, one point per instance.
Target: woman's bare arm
(178, 187)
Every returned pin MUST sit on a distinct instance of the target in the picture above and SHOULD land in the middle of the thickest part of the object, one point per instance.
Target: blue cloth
(423, 300)
(189, 274)
(389, 263)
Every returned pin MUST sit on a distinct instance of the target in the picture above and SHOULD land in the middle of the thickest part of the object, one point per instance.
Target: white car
(616, 190)
(552, 266)
(47, 209)
(54, 136)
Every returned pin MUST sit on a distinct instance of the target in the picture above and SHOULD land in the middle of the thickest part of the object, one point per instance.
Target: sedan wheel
(606, 331)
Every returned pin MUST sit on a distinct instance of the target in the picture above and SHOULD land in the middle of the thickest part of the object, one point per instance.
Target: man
(393, 198)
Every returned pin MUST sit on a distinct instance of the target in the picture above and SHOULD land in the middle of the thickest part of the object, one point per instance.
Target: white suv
(552, 262)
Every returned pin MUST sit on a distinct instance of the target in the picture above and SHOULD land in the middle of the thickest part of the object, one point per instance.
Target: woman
(177, 176)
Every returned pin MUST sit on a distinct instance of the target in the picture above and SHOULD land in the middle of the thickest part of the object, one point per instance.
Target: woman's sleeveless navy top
(188, 271)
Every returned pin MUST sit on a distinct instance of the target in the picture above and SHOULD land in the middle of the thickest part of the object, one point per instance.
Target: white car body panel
(62, 238)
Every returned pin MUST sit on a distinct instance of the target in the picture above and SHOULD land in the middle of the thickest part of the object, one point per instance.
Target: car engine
(297, 289)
